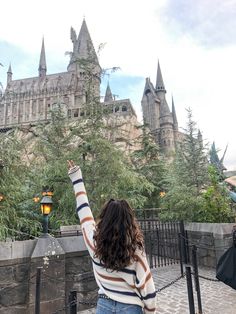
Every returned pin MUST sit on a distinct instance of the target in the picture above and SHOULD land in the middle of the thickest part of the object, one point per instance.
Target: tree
(18, 212)
(216, 201)
(150, 163)
(187, 176)
(191, 157)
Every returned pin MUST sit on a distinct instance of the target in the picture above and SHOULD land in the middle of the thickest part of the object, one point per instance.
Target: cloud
(211, 23)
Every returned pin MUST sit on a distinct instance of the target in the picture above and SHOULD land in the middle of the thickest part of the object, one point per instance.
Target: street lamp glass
(46, 205)
(46, 209)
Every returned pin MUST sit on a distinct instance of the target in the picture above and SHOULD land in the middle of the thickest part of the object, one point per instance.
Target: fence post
(150, 233)
(190, 290)
(183, 242)
(196, 278)
(37, 291)
(180, 255)
(73, 301)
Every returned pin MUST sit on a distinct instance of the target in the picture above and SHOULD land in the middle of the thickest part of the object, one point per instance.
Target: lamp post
(46, 207)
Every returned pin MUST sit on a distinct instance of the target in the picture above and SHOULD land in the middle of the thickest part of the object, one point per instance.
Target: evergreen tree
(191, 157)
(149, 162)
(18, 212)
(187, 176)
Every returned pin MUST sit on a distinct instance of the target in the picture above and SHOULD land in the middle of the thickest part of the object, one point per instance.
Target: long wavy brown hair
(117, 235)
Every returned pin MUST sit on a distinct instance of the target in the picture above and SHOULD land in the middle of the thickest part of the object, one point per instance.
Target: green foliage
(191, 158)
(149, 162)
(17, 210)
(180, 203)
(106, 169)
(216, 202)
(193, 191)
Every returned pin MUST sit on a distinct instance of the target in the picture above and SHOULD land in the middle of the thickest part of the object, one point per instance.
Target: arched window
(124, 108)
(117, 108)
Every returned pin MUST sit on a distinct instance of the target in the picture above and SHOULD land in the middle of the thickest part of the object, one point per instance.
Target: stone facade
(30, 100)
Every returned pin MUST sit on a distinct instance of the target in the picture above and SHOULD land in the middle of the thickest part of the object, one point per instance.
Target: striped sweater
(134, 283)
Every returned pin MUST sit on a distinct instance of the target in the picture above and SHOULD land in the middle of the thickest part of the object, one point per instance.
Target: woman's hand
(70, 164)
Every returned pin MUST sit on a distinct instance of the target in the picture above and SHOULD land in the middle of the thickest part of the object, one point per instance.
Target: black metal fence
(162, 241)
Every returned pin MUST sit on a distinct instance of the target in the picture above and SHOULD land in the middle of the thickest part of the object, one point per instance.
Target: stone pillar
(15, 276)
(49, 255)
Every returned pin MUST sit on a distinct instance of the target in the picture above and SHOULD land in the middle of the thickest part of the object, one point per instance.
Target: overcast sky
(195, 42)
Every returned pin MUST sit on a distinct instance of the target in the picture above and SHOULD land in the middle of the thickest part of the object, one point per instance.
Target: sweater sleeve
(145, 284)
(83, 209)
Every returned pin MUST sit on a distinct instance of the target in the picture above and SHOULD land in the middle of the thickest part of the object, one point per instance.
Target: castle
(29, 101)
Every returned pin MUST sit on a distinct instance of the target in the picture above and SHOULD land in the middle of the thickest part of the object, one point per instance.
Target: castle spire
(42, 62)
(108, 96)
(9, 74)
(159, 82)
(175, 121)
(82, 47)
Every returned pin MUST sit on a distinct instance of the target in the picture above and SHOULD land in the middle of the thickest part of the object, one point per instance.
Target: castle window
(124, 108)
(82, 113)
(69, 113)
(76, 113)
(66, 99)
(117, 108)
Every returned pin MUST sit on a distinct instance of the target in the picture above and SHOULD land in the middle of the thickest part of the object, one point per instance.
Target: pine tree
(187, 176)
(149, 162)
(191, 157)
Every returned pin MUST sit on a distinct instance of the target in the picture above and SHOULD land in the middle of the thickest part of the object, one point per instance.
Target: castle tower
(83, 50)
(42, 62)
(151, 107)
(156, 113)
(9, 75)
(175, 121)
(108, 95)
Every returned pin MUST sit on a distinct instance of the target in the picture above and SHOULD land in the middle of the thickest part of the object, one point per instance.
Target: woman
(115, 245)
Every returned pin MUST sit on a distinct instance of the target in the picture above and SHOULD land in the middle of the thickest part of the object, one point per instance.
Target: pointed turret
(199, 136)
(108, 96)
(200, 139)
(159, 82)
(82, 48)
(175, 121)
(42, 62)
(148, 87)
(9, 74)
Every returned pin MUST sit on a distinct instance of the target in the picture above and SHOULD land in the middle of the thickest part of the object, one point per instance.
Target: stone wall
(211, 239)
(65, 265)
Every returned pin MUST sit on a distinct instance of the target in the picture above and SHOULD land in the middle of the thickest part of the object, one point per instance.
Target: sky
(194, 41)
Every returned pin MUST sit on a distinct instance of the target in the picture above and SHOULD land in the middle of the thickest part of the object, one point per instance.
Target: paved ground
(217, 298)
